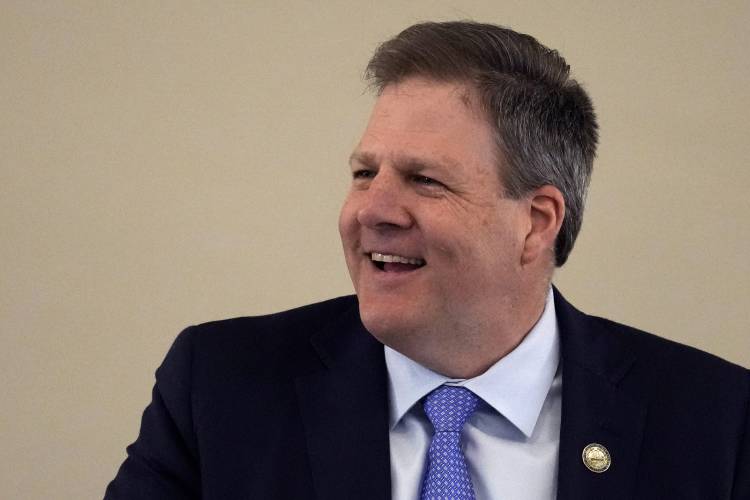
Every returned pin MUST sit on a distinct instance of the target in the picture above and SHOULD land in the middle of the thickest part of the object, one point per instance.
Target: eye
(425, 181)
(363, 173)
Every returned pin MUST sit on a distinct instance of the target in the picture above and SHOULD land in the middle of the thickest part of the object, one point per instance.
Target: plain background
(168, 163)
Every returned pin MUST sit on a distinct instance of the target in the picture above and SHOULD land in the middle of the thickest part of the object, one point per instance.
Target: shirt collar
(515, 386)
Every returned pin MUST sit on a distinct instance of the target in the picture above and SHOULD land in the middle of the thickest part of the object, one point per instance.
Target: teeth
(380, 257)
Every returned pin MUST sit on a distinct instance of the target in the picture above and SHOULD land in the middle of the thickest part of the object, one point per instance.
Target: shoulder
(272, 342)
(604, 345)
(684, 398)
(684, 387)
(295, 324)
(666, 360)
(640, 362)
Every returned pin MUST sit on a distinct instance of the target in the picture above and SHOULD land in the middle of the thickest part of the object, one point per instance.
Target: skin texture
(425, 184)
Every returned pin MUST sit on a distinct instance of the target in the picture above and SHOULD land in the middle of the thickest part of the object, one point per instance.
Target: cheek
(487, 246)
(347, 220)
(349, 230)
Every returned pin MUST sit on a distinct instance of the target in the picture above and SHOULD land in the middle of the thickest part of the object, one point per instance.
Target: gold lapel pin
(596, 457)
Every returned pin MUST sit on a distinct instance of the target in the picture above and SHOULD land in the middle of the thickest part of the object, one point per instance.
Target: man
(456, 371)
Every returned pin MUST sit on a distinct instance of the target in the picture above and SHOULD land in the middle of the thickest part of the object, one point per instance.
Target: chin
(385, 323)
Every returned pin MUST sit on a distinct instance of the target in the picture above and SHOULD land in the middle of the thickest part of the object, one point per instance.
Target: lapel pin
(596, 458)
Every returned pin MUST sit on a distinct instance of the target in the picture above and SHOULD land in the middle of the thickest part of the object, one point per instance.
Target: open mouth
(395, 263)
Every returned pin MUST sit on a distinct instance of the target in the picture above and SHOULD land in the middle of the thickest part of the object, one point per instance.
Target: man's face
(432, 246)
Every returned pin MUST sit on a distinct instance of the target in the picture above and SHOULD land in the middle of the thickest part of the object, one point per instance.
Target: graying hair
(544, 122)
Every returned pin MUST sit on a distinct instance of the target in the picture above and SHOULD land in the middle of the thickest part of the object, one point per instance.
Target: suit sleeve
(163, 462)
(741, 487)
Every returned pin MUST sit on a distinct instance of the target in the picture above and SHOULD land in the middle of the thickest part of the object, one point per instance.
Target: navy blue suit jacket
(294, 406)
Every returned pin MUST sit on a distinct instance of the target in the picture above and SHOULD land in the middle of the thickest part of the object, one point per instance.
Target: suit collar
(345, 413)
(516, 386)
(595, 362)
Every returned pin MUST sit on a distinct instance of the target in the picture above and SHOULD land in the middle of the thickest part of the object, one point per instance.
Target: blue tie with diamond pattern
(447, 477)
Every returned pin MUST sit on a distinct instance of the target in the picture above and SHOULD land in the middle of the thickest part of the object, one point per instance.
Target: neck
(462, 350)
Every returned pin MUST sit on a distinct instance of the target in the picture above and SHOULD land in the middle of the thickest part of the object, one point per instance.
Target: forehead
(432, 121)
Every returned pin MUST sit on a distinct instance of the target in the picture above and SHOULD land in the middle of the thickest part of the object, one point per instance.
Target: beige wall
(168, 163)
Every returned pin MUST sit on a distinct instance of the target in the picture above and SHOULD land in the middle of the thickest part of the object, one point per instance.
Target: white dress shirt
(511, 442)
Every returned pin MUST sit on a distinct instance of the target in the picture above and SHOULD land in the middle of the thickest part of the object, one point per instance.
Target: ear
(546, 212)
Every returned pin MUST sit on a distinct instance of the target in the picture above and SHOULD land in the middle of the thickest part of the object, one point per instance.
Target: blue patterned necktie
(447, 477)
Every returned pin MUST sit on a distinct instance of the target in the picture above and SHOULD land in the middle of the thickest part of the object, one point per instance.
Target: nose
(384, 203)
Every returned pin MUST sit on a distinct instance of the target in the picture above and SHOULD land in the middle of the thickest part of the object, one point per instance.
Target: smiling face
(433, 247)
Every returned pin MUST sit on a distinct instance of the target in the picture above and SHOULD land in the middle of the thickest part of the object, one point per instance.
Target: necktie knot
(449, 407)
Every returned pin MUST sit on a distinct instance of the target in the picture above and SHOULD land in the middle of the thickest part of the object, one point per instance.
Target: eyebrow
(404, 162)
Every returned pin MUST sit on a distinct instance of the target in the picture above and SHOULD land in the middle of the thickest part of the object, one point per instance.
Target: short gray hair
(544, 121)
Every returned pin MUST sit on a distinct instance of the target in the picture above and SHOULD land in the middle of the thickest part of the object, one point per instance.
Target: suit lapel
(595, 409)
(344, 408)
